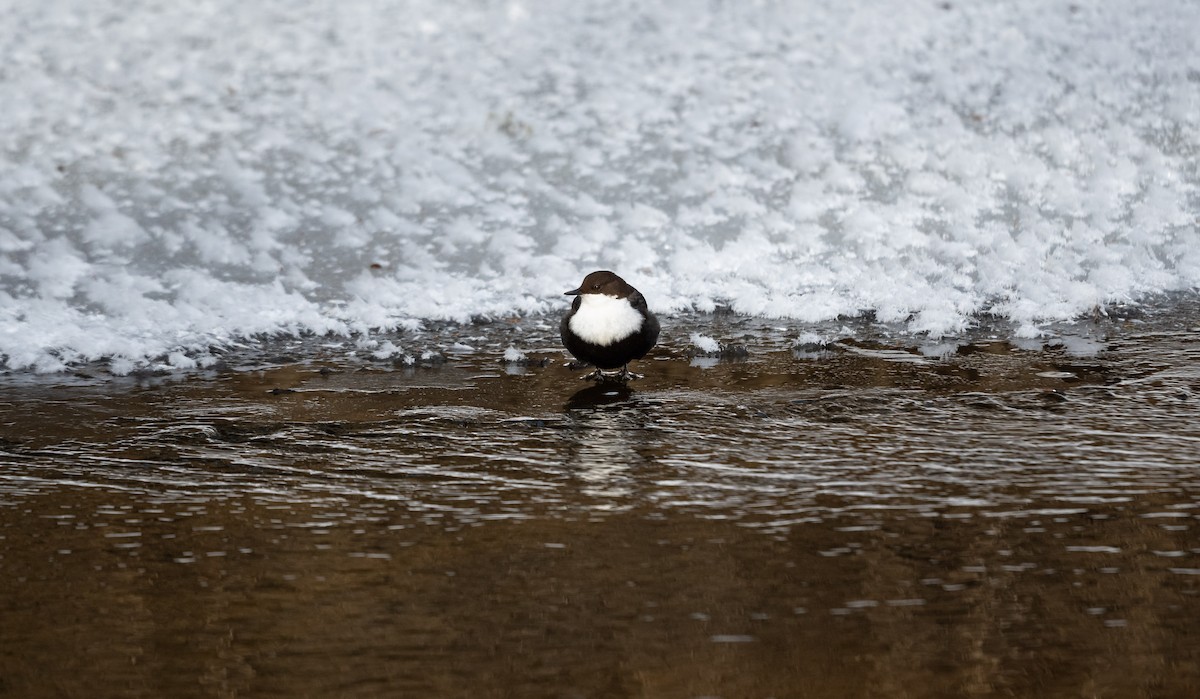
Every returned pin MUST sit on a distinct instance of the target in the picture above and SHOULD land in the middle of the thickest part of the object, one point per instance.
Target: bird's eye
(595, 286)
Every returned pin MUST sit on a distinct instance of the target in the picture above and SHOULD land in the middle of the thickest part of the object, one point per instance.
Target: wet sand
(874, 516)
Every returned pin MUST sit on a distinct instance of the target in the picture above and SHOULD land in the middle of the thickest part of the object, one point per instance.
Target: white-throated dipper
(608, 325)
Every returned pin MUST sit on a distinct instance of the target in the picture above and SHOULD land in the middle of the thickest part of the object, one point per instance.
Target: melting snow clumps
(705, 344)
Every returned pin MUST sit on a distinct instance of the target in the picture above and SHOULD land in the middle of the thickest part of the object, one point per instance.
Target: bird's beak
(573, 292)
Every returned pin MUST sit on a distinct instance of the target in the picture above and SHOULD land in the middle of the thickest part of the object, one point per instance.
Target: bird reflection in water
(610, 427)
(601, 394)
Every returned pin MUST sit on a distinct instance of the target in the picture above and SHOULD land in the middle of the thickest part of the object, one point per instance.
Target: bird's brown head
(602, 282)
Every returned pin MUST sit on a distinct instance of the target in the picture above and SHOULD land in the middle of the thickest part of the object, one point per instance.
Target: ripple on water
(1013, 499)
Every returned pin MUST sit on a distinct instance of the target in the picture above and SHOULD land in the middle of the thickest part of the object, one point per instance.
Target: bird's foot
(622, 376)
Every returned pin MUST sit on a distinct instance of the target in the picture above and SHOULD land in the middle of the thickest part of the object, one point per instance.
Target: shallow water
(864, 515)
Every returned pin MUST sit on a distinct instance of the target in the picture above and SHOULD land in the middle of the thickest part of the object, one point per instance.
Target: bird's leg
(624, 375)
(613, 375)
(602, 376)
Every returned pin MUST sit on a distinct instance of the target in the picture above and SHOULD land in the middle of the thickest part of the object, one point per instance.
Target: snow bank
(174, 176)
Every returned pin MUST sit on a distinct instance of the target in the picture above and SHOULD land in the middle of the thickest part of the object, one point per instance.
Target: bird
(608, 326)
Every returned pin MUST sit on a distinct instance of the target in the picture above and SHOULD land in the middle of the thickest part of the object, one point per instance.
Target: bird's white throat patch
(603, 319)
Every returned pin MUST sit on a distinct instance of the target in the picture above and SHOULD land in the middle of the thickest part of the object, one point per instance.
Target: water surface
(861, 514)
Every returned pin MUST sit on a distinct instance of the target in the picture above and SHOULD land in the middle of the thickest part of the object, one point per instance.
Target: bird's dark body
(620, 352)
(614, 337)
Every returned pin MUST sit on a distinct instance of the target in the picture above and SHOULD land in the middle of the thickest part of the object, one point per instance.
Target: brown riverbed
(864, 515)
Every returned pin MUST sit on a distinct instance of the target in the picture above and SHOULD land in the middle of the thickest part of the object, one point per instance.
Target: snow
(175, 176)
(704, 343)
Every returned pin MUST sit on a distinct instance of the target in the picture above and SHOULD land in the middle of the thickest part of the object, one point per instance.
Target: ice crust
(176, 176)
